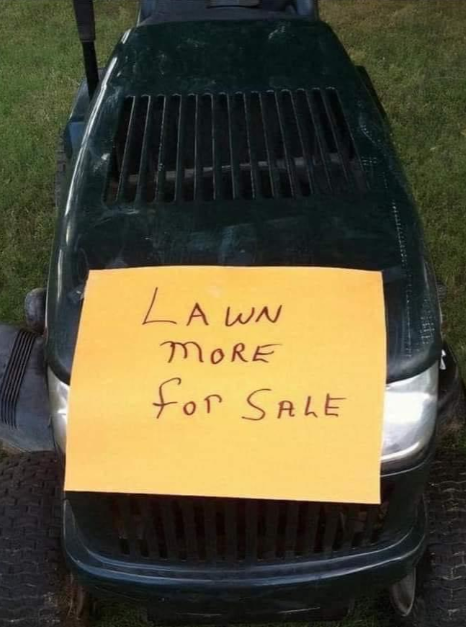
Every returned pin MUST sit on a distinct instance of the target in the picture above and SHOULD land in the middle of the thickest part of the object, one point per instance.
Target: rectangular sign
(232, 382)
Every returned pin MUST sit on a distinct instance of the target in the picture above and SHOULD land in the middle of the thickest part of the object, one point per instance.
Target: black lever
(85, 20)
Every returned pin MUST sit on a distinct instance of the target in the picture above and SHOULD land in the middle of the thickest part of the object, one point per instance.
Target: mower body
(240, 138)
(242, 142)
(252, 142)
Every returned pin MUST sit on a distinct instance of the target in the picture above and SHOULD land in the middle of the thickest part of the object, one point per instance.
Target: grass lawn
(415, 52)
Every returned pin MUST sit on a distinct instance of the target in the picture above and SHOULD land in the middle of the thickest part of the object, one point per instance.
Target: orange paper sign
(233, 382)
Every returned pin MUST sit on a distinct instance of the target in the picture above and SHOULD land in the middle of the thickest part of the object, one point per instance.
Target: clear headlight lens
(409, 414)
(58, 398)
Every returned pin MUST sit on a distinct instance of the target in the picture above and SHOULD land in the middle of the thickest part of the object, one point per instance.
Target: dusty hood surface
(241, 143)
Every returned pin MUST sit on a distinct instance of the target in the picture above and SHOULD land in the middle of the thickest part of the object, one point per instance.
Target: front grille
(198, 529)
(203, 147)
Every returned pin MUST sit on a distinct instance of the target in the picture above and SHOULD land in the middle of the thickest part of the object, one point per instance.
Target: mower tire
(33, 580)
(439, 581)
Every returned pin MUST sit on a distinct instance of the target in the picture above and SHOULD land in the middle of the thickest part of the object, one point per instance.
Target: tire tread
(441, 594)
(31, 563)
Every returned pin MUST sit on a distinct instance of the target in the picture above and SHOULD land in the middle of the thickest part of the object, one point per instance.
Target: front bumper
(321, 589)
(310, 589)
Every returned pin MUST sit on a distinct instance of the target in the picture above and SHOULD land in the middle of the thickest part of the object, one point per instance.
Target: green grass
(39, 74)
(414, 51)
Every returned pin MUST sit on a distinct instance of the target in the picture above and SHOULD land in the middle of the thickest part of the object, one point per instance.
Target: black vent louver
(13, 374)
(274, 144)
(198, 529)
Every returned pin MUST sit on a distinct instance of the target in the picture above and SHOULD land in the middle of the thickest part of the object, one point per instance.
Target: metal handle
(85, 21)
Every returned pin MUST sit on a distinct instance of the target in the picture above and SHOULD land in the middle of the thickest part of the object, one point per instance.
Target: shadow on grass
(368, 613)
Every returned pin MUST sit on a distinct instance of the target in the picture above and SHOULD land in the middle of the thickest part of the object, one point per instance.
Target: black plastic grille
(274, 144)
(13, 376)
(197, 529)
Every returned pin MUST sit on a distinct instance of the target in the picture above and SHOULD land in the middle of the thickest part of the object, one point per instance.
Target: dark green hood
(241, 143)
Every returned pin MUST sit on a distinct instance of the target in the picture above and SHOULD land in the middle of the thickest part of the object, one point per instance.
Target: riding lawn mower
(231, 133)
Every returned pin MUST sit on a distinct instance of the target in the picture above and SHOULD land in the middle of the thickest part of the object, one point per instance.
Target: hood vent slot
(258, 145)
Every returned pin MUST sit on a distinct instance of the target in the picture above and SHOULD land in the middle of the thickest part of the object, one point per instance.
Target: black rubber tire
(33, 580)
(441, 575)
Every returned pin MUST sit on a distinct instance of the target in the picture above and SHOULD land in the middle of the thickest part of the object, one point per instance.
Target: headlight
(409, 414)
(58, 398)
